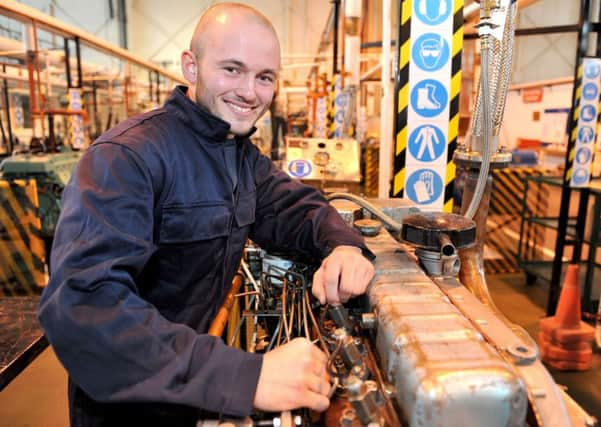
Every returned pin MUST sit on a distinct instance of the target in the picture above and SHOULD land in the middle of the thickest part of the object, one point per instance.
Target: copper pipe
(63, 112)
(218, 324)
(472, 274)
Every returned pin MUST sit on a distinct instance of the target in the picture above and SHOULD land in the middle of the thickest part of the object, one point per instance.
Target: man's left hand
(343, 274)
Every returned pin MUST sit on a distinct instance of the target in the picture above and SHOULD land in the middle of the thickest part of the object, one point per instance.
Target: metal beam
(26, 14)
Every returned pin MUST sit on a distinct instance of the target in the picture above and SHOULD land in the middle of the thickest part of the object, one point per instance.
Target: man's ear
(189, 66)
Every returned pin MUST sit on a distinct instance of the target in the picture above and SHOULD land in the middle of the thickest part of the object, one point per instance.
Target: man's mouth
(239, 108)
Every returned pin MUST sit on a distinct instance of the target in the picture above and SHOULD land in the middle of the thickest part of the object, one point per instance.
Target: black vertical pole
(78, 60)
(97, 125)
(7, 106)
(335, 36)
(158, 87)
(51, 147)
(122, 14)
(554, 287)
(68, 64)
(150, 83)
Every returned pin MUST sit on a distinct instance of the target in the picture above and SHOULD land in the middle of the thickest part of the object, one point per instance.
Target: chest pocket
(245, 211)
(185, 224)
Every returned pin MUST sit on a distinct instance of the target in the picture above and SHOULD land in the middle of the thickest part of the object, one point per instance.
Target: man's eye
(266, 79)
(231, 70)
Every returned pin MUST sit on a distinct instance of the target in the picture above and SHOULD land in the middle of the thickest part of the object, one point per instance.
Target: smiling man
(153, 227)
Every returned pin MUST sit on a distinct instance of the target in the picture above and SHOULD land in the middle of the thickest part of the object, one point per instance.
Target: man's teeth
(239, 109)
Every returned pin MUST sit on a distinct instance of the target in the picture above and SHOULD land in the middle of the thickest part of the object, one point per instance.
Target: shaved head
(233, 65)
(222, 16)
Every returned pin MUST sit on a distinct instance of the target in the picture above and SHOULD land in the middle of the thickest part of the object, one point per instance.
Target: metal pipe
(51, 147)
(218, 324)
(27, 14)
(122, 13)
(472, 274)
(385, 159)
(78, 62)
(68, 63)
(7, 107)
(447, 248)
(150, 88)
(335, 36)
(158, 87)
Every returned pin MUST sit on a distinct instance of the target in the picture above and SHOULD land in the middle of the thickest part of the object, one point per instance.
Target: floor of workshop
(37, 396)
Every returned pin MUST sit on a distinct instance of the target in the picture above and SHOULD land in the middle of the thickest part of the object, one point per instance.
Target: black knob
(438, 231)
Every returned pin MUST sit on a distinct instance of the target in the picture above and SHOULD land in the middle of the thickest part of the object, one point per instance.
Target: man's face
(237, 73)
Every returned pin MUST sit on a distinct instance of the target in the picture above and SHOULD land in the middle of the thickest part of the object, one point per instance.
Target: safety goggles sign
(587, 123)
(428, 109)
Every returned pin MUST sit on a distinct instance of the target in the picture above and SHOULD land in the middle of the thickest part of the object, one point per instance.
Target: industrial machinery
(419, 349)
(324, 162)
(51, 172)
(425, 346)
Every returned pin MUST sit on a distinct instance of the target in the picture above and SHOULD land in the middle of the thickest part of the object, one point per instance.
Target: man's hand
(293, 376)
(343, 274)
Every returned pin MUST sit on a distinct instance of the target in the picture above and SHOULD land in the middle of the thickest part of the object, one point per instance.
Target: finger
(344, 296)
(368, 274)
(347, 281)
(315, 401)
(318, 287)
(320, 357)
(332, 277)
(318, 384)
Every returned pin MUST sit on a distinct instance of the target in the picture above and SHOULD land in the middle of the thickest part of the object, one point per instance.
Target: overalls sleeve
(294, 217)
(115, 345)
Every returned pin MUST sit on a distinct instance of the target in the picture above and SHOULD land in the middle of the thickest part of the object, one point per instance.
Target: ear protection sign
(422, 7)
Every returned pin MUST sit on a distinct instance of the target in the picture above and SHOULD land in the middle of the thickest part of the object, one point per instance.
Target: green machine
(51, 172)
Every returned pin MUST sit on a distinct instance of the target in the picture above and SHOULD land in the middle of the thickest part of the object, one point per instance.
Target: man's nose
(246, 88)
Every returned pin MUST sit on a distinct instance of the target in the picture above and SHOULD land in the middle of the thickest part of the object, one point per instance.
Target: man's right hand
(293, 376)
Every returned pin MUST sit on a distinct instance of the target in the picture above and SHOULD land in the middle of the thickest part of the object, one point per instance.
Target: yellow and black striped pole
(402, 99)
(571, 150)
(456, 52)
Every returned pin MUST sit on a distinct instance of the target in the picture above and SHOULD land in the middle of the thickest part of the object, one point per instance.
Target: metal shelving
(590, 272)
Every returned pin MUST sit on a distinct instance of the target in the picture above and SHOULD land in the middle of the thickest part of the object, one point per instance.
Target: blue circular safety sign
(586, 134)
(430, 52)
(590, 91)
(588, 113)
(432, 12)
(580, 176)
(427, 143)
(300, 168)
(341, 100)
(583, 155)
(424, 186)
(591, 69)
(429, 98)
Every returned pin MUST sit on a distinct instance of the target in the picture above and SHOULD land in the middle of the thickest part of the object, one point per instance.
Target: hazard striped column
(427, 101)
(336, 111)
(573, 125)
(456, 52)
(402, 100)
(22, 252)
(584, 123)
